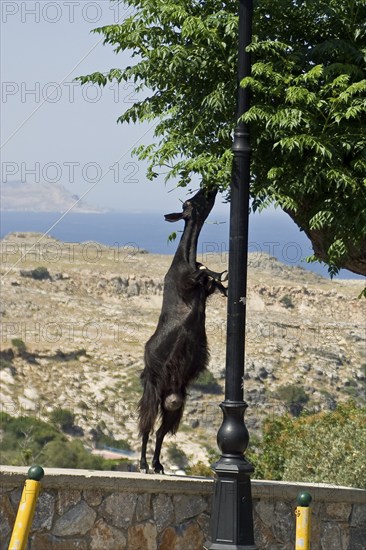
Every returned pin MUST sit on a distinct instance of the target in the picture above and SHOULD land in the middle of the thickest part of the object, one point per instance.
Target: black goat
(177, 351)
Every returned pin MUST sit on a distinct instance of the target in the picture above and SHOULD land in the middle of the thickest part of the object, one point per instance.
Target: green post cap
(304, 498)
(36, 473)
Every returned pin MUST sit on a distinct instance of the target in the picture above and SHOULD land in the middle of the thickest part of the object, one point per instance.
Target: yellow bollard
(26, 509)
(303, 521)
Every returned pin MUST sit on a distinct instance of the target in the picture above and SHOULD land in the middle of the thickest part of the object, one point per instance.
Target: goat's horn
(224, 276)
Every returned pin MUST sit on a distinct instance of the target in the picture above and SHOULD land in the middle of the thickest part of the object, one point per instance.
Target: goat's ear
(173, 217)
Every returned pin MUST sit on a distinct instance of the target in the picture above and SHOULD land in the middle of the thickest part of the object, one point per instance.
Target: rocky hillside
(75, 318)
(41, 197)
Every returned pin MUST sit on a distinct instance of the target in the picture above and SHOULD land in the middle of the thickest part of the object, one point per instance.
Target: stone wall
(80, 509)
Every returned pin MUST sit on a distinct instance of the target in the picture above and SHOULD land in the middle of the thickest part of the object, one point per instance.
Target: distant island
(19, 196)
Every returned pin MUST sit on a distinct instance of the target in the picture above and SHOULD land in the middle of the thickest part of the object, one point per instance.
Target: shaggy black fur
(177, 352)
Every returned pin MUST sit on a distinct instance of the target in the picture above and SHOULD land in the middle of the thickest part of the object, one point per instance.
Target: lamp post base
(232, 516)
(231, 520)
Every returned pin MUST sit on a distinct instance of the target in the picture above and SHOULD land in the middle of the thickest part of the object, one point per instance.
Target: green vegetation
(5, 364)
(62, 418)
(200, 469)
(294, 397)
(102, 439)
(327, 447)
(321, 448)
(307, 112)
(177, 456)
(351, 388)
(207, 383)
(286, 301)
(40, 273)
(26, 440)
(19, 345)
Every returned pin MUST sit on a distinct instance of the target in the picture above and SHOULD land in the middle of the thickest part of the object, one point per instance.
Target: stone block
(338, 510)
(106, 537)
(66, 499)
(284, 522)
(203, 521)
(265, 511)
(78, 520)
(45, 541)
(143, 507)
(119, 509)
(357, 538)
(7, 517)
(15, 497)
(358, 516)
(184, 537)
(334, 535)
(263, 535)
(317, 514)
(188, 506)
(45, 510)
(142, 537)
(163, 511)
(93, 497)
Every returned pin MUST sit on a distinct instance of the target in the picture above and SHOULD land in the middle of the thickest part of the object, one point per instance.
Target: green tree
(308, 106)
(321, 448)
(62, 418)
(294, 396)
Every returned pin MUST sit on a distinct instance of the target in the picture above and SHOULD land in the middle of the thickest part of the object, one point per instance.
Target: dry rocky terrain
(85, 319)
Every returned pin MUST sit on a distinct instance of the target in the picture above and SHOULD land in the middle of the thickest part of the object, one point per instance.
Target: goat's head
(197, 208)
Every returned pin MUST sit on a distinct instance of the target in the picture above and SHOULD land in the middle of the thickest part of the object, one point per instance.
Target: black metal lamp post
(232, 519)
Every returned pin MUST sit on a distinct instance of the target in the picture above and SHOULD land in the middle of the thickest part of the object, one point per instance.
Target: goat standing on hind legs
(177, 352)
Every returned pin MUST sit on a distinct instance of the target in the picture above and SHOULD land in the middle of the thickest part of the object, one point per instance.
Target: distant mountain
(42, 197)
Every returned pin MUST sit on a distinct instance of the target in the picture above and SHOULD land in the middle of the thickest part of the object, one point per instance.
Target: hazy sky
(55, 130)
(58, 131)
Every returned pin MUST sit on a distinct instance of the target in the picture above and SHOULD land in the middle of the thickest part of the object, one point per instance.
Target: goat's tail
(148, 407)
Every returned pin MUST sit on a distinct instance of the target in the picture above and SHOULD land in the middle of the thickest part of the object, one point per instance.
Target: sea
(277, 236)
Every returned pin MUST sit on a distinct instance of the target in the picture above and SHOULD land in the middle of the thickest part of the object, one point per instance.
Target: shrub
(207, 383)
(321, 448)
(40, 273)
(294, 396)
(62, 418)
(287, 302)
(177, 456)
(4, 364)
(19, 345)
(103, 440)
(200, 469)
(24, 438)
(70, 454)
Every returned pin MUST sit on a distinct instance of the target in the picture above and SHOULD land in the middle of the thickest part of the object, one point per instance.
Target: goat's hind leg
(144, 467)
(170, 423)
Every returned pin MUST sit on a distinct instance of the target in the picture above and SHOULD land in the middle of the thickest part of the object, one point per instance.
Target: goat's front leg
(144, 467)
(220, 277)
(215, 285)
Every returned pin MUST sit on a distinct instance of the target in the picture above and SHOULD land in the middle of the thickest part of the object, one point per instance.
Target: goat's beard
(173, 402)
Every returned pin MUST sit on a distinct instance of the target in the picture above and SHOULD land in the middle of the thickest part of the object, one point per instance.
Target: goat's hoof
(224, 276)
(158, 469)
(144, 468)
